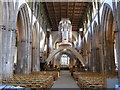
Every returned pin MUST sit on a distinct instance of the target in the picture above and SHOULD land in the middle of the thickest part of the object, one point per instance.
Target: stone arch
(102, 36)
(18, 10)
(108, 40)
(23, 43)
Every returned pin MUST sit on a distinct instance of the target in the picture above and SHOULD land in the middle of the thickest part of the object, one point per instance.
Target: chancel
(55, 44)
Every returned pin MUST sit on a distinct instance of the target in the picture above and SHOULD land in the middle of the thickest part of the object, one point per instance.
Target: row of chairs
(30, 81)
(76, 74)
(55, 74)
(91, 79)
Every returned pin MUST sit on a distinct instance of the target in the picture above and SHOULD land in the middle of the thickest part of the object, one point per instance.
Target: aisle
(65, 81)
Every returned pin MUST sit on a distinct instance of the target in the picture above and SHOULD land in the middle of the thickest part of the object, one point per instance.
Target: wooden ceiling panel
(72, 10)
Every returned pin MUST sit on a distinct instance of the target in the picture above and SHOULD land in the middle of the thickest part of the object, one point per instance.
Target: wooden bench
(91, 80)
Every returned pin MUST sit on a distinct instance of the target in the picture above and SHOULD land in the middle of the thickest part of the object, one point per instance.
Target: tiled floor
(65, 81)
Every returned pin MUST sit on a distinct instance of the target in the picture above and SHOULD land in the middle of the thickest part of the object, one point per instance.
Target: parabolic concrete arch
(72, 50)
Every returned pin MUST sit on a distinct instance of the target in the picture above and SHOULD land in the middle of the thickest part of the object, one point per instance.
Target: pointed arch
(107, 35)
(23, 43)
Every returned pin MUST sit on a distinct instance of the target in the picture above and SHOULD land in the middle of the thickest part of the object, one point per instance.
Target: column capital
(95, 48)
(89, 52)
(29, 42)
(13, 30)
(2, 28)
(33, 47)
(23, 40)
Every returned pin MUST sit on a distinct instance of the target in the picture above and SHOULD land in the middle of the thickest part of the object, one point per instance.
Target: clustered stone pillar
(98, 63)
(35, 58)
(21, 56)
(89, 60)
(24, 57)
(29, 57)
(110, 59)
(118, 37)
(71, 62)
(8, 47)
(1, 29)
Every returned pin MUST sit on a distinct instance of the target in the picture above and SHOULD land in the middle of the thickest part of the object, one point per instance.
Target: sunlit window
(64, 60)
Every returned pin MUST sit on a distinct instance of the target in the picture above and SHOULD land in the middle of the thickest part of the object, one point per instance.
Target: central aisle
(65, 81)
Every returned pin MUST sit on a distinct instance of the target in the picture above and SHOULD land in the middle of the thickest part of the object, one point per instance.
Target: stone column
(21, 53)
(102, 56)
(95, 60)
(33, 58)
(29, 57)
(98, 63)
(36, 61)
(12, 48)
(38, 54)
(57, 62)
(1, 71)
(4, 58)
(89, 59)
(109, 57)
(24, 57)
(48, 41)
(118, 37)
(72, 62)
(8, 46)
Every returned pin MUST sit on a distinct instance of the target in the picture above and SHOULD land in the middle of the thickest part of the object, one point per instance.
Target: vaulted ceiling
(75, 11)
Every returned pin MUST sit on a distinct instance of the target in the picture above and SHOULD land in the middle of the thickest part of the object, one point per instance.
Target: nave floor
(65, 81)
